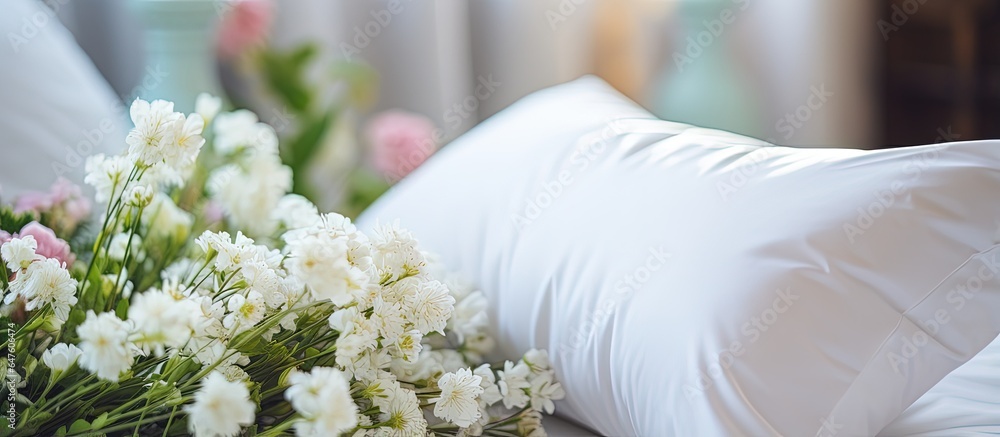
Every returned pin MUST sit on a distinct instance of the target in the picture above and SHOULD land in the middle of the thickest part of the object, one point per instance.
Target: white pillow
(691, 282)
(964, 403)
(55, 107)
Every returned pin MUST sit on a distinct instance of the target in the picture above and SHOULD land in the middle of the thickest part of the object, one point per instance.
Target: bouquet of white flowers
(212, 302)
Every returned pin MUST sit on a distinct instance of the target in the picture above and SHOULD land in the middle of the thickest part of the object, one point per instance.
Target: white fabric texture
(694, 282)
(964, 403)
(55, 108)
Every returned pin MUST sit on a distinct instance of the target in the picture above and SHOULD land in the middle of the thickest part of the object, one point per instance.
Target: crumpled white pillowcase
(692, 282)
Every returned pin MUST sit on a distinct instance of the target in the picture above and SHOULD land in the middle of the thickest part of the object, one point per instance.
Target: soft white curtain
(431, 55)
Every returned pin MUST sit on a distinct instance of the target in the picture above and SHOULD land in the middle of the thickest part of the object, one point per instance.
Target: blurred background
(340, 79)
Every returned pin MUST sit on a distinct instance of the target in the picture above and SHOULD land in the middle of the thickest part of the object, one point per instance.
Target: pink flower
(5, 237)
(64, 203)
(400, 141)
(35, 201)
(244, 26)
(49, 245)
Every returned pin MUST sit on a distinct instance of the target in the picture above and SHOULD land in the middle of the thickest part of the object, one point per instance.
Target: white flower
(150, 141)
(249, 194)
(491, 393)
(107, 175)
(321, 262)
(538, 361)
(401, 411)
(469, 317)
(161, 135)
(245, 312)
(19, 252)
(220, 408)
(530, 425)
(294, 211)
(234, 373)
(323, 398)
(407, 346)
(160, 320)
(230, 254)
(188, 141)
(240, 129)
(61, 356)
(431, 307)
(139, 195)
(207, 106)
(104, 341)
(457, 403)
(544, 390)
(45, 282)
(395, 253)
(120, 243)
(165, 219)
(513, 382)
(390, 319)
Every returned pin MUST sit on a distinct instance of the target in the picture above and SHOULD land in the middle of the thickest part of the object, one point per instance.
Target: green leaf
(79, 426)
(100, 421)
(61, 432)
(121, 310)
(249, 342)
(11, 222)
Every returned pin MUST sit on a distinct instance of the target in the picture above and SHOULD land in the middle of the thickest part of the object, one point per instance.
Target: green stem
(123, 426)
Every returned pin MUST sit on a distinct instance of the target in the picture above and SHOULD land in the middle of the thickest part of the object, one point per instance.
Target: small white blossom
(119, 245)
(544, 390)
(161, 320)
(61, 356)
(294, 211)
(431, 307)
(457, 403)
(401, 410)
(245, 312)
(207, 106)
(19, 253)
(491, 393)
(220, 408)
(105, 346)
(323, 398)
(166, 220)
(139, 195)
(161, 135)
(513, 382)
(107, 175)
(45, 282)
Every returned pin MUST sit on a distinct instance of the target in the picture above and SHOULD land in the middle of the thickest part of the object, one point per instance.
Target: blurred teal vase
(180, 49)
(703, 84)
